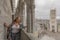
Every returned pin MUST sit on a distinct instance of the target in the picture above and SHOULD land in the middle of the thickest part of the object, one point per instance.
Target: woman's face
(18, 20)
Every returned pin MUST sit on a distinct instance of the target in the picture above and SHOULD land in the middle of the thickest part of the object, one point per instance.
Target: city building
(53, 23)
(46, 22)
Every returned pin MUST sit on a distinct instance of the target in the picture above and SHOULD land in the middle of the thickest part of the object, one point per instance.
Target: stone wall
(5, 15)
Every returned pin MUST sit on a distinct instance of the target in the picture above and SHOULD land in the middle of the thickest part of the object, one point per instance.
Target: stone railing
(24, 36)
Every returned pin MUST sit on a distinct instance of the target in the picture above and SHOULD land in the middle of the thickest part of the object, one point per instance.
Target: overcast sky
(43, 7)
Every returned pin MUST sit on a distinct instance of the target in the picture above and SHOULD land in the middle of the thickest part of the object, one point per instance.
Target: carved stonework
(30, 15)
(19, 9)
(30, 12)
(5, 16)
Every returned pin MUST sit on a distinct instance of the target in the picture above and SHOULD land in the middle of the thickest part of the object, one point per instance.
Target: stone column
(25, 15)
(14, 4)
(19, 10)
(30, 15)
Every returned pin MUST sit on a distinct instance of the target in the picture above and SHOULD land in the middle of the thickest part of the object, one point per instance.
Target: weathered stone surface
(30, 15)
(5, 15)
(19, 10)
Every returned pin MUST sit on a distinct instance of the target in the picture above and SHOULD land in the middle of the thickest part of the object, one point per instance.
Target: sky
(43, 7)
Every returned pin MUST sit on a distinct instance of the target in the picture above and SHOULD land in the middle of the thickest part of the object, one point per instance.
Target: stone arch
(30, 12)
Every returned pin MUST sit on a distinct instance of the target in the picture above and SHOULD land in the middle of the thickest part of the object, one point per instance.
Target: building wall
(5, 16)
(58, 25)
(47, 23)
(43, 23)
(53, 23)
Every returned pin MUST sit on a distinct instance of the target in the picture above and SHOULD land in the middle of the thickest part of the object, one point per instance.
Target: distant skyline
(43, 8)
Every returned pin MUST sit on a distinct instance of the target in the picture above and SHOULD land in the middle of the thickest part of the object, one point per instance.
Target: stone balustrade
(24, 36)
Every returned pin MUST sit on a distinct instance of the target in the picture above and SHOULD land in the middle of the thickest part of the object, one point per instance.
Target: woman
(15, 29)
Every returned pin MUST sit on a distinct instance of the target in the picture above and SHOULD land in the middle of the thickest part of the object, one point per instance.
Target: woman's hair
(15, 19)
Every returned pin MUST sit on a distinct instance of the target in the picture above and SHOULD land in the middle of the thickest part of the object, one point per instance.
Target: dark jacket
(10, 30)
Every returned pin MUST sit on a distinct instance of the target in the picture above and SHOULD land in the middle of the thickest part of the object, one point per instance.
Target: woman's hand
(5, 25)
